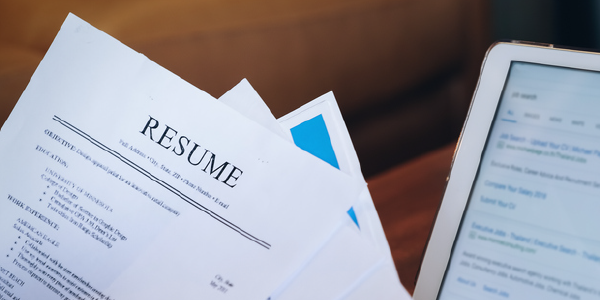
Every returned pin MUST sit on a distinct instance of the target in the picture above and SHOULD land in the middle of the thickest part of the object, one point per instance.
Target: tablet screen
(532, 226)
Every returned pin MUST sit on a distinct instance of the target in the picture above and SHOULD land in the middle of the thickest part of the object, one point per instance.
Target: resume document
(122, 181)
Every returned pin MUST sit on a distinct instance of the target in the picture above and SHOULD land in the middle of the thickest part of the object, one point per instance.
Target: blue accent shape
(353, 216)
(509, 120)
(312, 136)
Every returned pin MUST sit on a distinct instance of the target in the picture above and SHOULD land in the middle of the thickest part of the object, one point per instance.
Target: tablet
(520, 217)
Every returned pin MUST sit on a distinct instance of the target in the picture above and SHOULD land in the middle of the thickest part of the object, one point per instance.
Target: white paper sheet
(122, 181)
(351, 271)
(244, 99)
(354, 258)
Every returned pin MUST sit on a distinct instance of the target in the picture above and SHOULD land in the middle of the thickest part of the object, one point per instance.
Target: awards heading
(168, 138)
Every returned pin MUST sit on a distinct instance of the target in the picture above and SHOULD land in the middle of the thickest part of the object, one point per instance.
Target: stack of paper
(122, 181)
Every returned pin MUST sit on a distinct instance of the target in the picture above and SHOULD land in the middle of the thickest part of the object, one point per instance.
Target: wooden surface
(407, 198)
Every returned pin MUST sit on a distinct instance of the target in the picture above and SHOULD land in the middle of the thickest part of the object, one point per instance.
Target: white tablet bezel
(469, 149)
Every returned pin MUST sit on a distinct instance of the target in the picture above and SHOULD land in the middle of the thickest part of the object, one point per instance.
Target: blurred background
(567, 23)
(403, 71)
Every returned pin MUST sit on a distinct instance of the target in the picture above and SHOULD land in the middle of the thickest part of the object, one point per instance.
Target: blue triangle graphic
(312, 136)
(352, 215)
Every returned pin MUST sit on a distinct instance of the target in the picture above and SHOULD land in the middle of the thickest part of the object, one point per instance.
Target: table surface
(407, 198)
